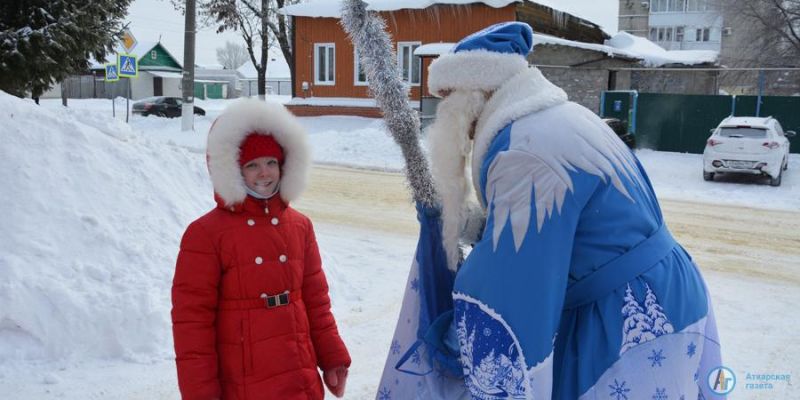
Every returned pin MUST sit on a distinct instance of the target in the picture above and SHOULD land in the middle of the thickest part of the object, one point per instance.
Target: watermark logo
(721, 380)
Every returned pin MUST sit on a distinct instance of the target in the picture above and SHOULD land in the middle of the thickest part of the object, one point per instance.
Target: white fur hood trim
(247, 116)
(473, 70)
(527, 92)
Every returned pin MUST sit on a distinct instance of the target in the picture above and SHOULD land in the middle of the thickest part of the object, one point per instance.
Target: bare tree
(232, 56)
(261, 26)
(763, 32)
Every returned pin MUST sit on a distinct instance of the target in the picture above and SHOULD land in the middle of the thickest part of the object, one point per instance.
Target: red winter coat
(228, 343)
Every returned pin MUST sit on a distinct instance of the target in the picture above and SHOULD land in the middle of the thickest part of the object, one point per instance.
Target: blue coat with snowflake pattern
(576, 288)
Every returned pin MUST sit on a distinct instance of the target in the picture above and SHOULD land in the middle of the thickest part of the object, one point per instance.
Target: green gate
(199, 91)
(682, 123)
(784, 108)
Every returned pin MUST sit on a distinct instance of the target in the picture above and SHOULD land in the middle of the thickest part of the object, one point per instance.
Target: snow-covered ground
(94, 209)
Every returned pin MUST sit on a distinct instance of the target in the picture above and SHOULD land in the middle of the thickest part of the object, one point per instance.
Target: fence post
(602, 104)
(633, 109)
(760, 91)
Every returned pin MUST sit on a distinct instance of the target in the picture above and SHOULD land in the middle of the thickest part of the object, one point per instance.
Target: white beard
(450, 145)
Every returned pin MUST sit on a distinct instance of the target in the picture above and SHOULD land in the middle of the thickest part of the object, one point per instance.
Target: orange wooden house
(329, 79)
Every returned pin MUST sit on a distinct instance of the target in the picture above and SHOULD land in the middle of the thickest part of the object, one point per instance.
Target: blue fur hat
(483, 60)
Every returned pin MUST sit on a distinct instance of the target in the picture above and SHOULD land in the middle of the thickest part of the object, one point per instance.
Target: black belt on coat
(264, 301)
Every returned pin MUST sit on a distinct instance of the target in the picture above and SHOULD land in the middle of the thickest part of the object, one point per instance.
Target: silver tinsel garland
(367, 31)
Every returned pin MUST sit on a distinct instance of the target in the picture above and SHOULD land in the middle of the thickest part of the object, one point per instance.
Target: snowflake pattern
(619, 390)
(385, 394)
(691, 349)
(416, 358)
(415, 285)
(395, 347)
(661, 394)
(657, 357)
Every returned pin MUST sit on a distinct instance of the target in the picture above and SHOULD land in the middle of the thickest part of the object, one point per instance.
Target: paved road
(754, 242)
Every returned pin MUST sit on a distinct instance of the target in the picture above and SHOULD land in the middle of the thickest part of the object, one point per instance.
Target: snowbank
(93, 215)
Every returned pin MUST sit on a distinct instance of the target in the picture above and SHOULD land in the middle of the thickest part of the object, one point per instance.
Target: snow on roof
(168, 75)
(539, 39)
(759, 122)
(654, 56)
(622, 45)
(277, 69)
(333, 8)
(433, 49)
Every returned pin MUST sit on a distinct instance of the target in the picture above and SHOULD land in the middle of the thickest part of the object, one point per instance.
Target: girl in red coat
(251, 314)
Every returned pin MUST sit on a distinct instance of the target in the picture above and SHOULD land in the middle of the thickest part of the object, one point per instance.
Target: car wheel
(786, 164)
(708, 176)
(776, 181)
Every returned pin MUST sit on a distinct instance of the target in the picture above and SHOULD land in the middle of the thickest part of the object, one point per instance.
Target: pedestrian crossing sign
(111, 73)
(127, 66)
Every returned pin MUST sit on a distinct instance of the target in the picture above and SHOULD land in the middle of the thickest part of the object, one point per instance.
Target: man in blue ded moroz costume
(574, 288)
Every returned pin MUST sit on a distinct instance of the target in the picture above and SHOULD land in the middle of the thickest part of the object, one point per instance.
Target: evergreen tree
(44, 41)
(637, 327)
(661, 324)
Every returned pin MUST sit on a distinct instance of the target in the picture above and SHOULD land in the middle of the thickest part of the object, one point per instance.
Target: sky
(151, 20)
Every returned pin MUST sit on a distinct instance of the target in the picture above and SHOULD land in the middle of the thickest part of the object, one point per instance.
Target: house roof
(141, 49)
(622, 45)
(277, 69)
(333, 8)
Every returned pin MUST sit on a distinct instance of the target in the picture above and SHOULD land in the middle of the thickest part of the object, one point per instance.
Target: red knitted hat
(256, 145)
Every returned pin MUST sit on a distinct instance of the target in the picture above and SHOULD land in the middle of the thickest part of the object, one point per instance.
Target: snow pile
(653, 55)
(92, 218)
(353, 142)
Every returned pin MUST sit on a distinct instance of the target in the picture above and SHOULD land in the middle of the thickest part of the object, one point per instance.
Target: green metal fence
(682, 123)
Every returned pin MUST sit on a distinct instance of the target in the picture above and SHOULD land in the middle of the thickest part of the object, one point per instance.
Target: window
(697, 5)
(324, 63)
(702, 34)
(668, 36)
(653, 34)
(661, 34)
(679, 34)
(410, 64)
(677, 5)
(360, 76)
(153, 55)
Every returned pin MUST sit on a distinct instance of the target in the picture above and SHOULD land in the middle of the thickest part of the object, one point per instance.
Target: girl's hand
(335, 379)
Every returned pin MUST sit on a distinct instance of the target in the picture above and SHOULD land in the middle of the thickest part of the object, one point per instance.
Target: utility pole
(187, 118)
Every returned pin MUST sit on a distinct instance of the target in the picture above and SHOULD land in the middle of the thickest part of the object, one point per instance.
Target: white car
(748, 145)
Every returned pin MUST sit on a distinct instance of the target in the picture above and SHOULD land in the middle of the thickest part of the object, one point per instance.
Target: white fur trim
(473, 70)
(247, 116)
(448, 140)
(525, 93)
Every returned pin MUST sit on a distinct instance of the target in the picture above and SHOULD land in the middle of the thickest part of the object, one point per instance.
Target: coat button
(282, 258)
(251, 222)
(266, 210)
(274, 221)
(259, 260)
(232, 208)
